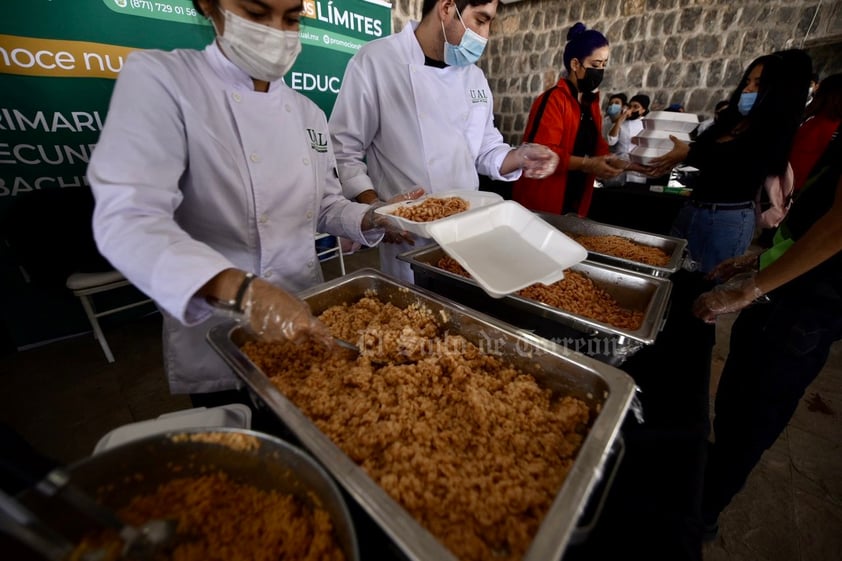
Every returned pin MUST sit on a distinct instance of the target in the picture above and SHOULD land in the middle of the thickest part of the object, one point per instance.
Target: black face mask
(591, 81)
(634, 115)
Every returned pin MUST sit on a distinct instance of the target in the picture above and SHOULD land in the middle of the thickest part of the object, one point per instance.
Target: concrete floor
(64, 396)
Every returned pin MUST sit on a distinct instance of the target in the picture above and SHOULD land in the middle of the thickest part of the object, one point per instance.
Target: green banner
(59, 60)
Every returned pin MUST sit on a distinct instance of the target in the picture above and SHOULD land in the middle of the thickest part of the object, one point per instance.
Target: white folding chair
(336, 251)
(85, 285)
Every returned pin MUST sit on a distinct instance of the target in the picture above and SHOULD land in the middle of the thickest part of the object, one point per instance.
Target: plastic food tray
(651, 138)
(671, 121)
(644, 156)
(607, 390)
(476, 200)
(506, 247)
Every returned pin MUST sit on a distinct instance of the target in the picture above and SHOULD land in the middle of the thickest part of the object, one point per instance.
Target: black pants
(777, 350)
(653, 509)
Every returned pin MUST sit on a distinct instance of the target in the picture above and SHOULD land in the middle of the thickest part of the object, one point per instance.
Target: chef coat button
(309, 214)
(237, 97)
(305, 161)
(268, 274)
(263, 219)
(309, 263)
(254, 158)
(288, 108)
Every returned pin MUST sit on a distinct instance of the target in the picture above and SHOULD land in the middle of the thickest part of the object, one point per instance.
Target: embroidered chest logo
(318, 140)
(479, 96)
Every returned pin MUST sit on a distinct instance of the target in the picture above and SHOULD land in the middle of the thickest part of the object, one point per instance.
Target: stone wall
(691, 52)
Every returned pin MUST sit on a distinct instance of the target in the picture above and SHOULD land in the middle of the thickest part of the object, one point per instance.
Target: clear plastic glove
(536, 160)
(622, 162)
(738, 293)
(603, 166)
(276, 315)
(393, 232)
(734, 266)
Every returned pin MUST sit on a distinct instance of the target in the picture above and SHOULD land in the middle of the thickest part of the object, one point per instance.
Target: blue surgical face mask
(614, 110)
(746, 102)
(468, 50)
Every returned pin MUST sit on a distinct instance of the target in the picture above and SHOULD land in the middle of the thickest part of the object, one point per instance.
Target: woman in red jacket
(567, 119)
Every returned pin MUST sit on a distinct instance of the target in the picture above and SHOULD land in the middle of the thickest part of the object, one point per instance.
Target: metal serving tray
(601, 340)
(573, 225)
(607, 391)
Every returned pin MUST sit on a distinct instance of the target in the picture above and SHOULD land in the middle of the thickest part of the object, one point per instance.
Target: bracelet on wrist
(235, 304)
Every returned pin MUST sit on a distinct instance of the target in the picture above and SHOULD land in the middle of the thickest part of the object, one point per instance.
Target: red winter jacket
(557, 130)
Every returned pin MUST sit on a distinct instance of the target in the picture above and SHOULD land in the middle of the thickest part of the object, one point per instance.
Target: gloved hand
(603, 166)
(393, 232)
(276, 315)
(734, 266)
(536, 160)
(732, 296)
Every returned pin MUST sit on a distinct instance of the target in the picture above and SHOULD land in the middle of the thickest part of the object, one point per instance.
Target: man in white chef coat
(414, 109)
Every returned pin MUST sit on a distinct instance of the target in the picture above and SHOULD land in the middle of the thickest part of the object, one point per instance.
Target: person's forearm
(510, 163)
(368, 197)
(223, 286)
(821, 242)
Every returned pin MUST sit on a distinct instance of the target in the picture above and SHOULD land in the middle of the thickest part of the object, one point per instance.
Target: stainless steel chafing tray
(607, 391)
(573, 225)
(606, 342)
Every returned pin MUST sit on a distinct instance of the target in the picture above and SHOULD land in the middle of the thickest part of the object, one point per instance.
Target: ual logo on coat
(478, 96)
(318, 140)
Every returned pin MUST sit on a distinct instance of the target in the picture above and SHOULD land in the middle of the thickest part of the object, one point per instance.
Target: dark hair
(621, 96)
(827, 101)
(720, 104)
(642, 99)
(199, 8)
(460, 4)
(814, 77)
(776, 115)
(581, 42)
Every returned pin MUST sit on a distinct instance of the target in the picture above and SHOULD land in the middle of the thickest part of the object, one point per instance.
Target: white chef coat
(621, 145)
(196, 172)
(398, 124)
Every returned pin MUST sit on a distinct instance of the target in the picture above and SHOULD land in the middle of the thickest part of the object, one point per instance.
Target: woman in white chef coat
(414, 109)
(211, 178)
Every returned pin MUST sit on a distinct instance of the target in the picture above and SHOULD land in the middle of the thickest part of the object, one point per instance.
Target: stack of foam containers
(654, 140)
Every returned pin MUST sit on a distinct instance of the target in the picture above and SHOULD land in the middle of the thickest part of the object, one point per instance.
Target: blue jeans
(714, 235)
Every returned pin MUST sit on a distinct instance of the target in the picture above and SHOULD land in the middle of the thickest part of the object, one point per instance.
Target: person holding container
(414, 109)
(778, 346)
(750, 142)
(211, 178)
(567, 118)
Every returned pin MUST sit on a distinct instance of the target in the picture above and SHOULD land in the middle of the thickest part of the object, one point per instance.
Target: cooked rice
(474, 449)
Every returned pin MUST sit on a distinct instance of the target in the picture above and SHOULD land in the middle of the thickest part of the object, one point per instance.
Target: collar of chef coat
(407, 35)
(230, 73)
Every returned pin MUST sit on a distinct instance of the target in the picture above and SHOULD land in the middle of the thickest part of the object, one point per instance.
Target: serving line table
(652, 509)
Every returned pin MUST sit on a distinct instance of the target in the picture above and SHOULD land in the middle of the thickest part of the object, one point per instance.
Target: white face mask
(258, 50)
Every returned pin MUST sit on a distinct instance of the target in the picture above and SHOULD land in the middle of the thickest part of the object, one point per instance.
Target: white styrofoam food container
(235, 415)
(671, 121)
(644, 156)
(506, 247)
(651, 138)
(475, 199)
